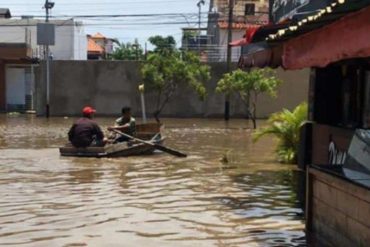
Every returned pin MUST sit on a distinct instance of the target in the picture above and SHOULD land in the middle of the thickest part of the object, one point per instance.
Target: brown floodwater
(157, 200)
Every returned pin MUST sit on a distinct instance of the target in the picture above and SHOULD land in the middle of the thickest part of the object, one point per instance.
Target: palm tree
(285, 125)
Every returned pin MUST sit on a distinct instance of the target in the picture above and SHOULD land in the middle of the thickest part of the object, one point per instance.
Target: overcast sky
(126, 29)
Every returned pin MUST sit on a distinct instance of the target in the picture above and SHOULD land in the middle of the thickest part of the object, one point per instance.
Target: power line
(112, 16)
(105, 3)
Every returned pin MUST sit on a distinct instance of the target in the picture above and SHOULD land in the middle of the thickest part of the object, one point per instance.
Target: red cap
(88, 110)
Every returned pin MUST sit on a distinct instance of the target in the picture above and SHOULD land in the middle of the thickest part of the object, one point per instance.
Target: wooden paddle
(157, 146)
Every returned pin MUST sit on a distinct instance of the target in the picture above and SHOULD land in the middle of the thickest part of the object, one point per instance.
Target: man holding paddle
(126, 124)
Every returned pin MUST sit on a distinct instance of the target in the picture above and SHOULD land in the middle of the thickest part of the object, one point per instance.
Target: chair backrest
(358, 155)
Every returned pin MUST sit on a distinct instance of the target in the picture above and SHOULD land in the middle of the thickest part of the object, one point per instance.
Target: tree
(128, 51)
(285, 125)
(163, 72)
(163, 44)
(249, 85)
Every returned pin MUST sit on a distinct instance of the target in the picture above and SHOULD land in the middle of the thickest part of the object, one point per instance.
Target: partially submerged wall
(338, 211)
(109, 85)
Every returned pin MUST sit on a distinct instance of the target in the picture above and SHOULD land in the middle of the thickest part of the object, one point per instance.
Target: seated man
(126, 124)
(85, 131)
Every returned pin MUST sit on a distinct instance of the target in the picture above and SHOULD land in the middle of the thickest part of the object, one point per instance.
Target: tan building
(246, 14)
(242, 8)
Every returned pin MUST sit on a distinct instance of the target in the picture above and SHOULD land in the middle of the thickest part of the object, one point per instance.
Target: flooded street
(157, 200)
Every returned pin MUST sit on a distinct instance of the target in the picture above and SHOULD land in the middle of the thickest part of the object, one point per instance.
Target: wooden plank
(148, 127)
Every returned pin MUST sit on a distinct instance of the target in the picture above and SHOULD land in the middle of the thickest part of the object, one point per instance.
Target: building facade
(246, 14)
(20, 54)
(70, 37)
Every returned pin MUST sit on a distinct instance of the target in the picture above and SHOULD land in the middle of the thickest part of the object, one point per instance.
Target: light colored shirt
(131, 124)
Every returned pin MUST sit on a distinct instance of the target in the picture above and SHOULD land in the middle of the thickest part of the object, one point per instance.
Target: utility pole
(229, 38)
(199, 4)
(48, 5)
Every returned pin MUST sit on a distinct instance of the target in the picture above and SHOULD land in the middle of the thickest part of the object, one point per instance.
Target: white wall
(80, 43)
(70, 38)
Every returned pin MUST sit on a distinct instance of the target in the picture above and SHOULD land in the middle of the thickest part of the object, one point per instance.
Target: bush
(285, 125)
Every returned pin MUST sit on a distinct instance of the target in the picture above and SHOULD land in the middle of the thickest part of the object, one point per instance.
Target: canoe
(150, 132)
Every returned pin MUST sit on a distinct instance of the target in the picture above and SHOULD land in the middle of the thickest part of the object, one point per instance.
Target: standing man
(85, 131)
(126, 124)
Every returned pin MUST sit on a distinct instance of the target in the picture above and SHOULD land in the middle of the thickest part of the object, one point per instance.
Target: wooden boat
(150, 132)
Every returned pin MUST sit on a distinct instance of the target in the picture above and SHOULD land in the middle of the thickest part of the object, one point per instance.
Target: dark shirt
(83, 132)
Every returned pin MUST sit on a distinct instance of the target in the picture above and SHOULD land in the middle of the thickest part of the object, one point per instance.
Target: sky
(184, 13)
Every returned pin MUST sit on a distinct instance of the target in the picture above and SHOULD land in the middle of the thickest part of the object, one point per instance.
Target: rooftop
(5, 13)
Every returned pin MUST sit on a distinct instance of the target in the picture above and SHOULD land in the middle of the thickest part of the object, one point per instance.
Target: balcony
(15, 51)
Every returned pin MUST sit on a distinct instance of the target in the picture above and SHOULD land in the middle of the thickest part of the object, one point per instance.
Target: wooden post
(308, 207)
(229, 38)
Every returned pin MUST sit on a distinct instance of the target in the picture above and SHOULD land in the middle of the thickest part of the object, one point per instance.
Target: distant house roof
(93, 47)
(98, 36)
(5, 13)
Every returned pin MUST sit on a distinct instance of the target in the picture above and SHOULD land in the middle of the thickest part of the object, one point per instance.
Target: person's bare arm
(120, 128)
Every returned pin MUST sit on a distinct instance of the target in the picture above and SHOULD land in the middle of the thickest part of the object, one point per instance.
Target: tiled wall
(339, 211)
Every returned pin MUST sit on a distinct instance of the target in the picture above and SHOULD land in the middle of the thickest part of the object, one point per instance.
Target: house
(15, 72)
(70, 38)
(332, 40)
(94, 51)
(246, 14)
(5, 13)
(19, 55)
(99, 46)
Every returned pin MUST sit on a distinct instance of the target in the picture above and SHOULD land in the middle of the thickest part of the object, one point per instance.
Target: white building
(18, 50)
(70, 37)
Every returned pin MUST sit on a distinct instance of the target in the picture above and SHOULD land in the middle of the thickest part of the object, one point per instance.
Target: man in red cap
(85, 131)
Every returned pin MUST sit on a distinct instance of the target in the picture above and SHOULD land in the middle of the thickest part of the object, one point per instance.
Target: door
(15, 89)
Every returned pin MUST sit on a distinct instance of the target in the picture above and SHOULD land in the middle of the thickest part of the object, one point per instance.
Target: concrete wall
(338, 210)
(109, 85)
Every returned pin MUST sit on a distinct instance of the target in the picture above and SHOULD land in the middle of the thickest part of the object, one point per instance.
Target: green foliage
(128, 51)
(163, 44)
(164, 72)
(285, 126)
(249, 85)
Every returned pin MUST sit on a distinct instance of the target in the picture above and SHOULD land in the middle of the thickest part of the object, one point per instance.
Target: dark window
(341, 96)
(249, 9)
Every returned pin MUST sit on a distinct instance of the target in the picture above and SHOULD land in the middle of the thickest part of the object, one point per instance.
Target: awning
(247, 38)
(239, 42)
(264, 31)
(343, 39)
(260, 55)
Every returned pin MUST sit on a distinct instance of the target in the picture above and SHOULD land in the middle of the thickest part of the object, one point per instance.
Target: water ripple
(48, 200)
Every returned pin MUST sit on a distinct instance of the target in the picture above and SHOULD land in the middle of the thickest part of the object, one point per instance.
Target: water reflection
(156, 200)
